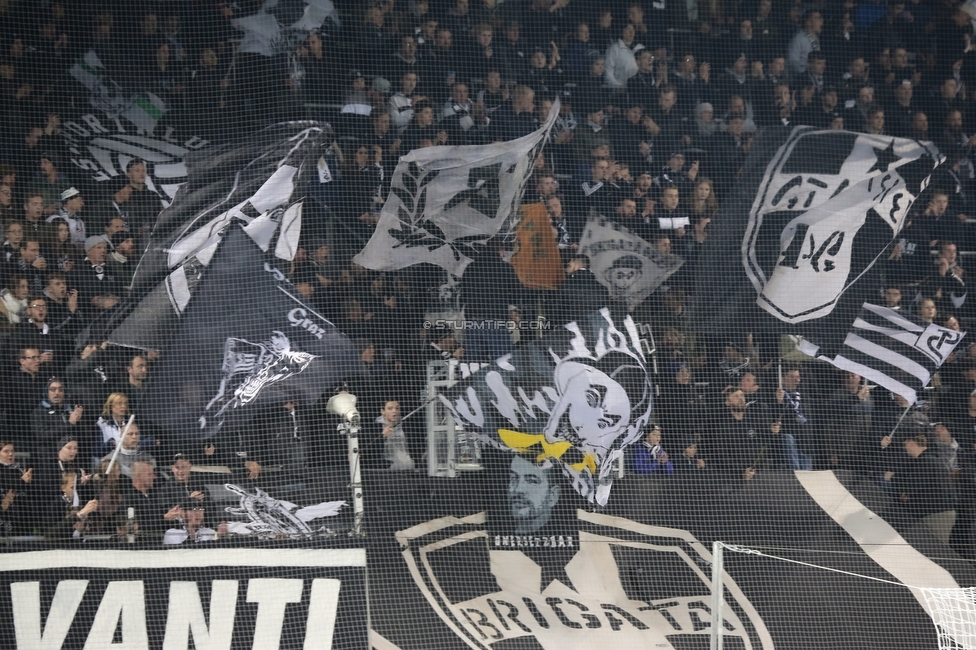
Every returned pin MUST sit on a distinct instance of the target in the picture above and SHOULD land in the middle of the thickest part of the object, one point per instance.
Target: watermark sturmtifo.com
(450, 324)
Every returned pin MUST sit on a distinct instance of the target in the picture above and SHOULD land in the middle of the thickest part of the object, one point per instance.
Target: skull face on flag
(576, 399)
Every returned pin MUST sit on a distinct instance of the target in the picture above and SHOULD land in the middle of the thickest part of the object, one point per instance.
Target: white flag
(625, 264)
(443, 200)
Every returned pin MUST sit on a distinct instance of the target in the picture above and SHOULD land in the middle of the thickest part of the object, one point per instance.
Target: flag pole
(898, 423)
(417, 410)
(125, 431)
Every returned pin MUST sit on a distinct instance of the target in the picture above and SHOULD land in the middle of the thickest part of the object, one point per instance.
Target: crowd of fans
(659, 105)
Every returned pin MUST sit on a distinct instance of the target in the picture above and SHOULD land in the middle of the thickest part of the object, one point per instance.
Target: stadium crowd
(660, 102)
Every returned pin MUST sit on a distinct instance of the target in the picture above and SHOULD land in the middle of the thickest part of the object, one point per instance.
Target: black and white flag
(892, 349)
(629, 267)
(282, 25)
(445, 200)
(575, 400)
(119, 125)
(246, 340)
(813, 211)
(263, 184)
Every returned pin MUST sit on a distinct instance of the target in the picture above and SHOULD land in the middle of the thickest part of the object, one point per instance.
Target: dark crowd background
(660, 104)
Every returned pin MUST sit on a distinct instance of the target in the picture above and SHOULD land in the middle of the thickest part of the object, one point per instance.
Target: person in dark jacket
(50, 497)
(489, 269)
(922, 488)
(15, 483)
(515, 119)
(55, 417)
(70, 519)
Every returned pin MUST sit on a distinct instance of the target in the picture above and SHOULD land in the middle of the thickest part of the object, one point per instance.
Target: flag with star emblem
(814, 211)
(572, 401)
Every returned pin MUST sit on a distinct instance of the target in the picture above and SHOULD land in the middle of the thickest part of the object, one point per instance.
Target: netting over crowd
(658, 108)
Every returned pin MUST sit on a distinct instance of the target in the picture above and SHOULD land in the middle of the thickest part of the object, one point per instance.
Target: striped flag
(893, 349)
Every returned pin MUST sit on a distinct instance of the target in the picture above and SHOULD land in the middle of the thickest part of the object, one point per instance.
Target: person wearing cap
(72, 204)
(98, 289)
(185, 489)
(675, 172)
(51, 468)
(55, 417)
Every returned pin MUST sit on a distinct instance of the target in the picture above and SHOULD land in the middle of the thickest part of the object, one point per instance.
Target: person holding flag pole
(118, 447)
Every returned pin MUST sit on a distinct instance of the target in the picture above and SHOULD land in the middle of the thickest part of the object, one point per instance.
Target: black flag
(814, 211)
(245, 340)
(261, 181)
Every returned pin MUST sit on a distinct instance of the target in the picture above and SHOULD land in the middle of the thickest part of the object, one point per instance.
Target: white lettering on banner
(322, 608)
(272, 596)
(125, 600)
(299, 318)
(579, 597)
(185, 617)
(26, 600)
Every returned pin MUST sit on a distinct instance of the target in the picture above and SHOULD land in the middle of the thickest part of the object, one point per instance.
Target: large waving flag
(245, 340)
(629, 267)
(445, 200)
(814, 211)
(262, 184)
(282, 25)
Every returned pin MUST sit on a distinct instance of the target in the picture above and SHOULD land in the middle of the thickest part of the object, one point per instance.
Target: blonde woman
(115, 413)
